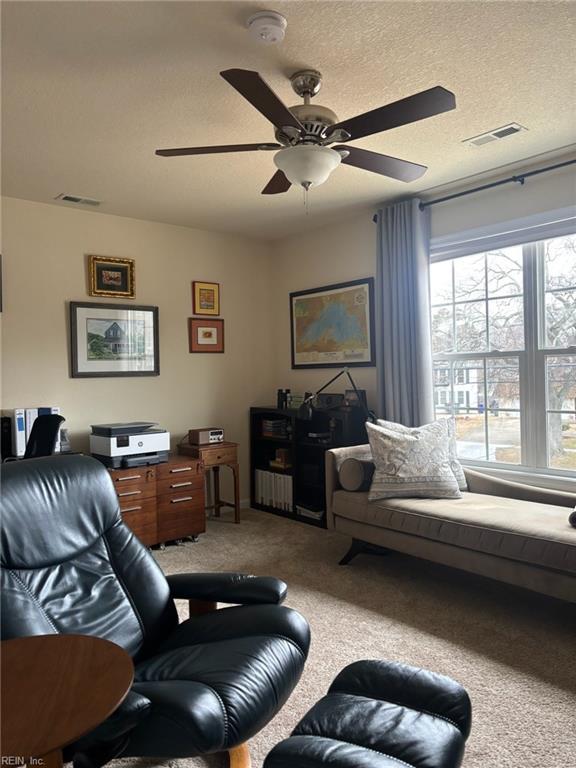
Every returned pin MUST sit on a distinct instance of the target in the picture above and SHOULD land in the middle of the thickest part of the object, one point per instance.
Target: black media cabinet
(297, 490)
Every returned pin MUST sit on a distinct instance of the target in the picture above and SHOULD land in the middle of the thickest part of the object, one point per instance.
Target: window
(504, 345)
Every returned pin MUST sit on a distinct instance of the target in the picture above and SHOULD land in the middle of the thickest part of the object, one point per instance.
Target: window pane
(470, 435)
(471, 327)
(441, 282)
(561, 319)
(505, 272)
(503, 383)
(561, 383)
(469, 278)
(442, 329)
(506, 324)
(504, 437)
(562, 440)
(560, 262)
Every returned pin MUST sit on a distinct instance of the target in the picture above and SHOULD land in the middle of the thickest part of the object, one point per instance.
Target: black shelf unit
(306, 475)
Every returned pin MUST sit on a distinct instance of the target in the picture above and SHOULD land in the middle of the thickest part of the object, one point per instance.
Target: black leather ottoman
(381, 714)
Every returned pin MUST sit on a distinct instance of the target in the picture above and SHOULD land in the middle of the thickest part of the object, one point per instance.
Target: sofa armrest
(334, 459)
(478, 482)
(232, 588)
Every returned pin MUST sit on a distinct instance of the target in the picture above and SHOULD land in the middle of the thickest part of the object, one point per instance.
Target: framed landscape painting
(333, 326)
(113, 340)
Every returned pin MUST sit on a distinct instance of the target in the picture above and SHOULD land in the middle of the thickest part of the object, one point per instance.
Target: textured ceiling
(91, 89)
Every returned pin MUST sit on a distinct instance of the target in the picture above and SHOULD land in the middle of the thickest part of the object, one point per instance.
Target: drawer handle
(184, 498)
(130, 493)
(129, 477)
(131, 509)
(181, 469)
(181, 485)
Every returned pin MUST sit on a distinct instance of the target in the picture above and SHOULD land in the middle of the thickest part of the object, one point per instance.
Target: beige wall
(334, 254)
(44, 267)
(347, 250)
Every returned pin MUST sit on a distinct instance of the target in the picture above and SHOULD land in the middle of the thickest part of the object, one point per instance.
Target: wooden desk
(55, 689)
(214, 456)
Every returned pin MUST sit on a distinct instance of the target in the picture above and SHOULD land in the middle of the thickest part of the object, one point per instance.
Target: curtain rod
(520, 179)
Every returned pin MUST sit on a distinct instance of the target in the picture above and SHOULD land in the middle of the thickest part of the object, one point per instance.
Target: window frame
(529, 232)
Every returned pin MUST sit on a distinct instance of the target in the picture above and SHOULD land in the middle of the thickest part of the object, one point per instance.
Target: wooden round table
(55, 689)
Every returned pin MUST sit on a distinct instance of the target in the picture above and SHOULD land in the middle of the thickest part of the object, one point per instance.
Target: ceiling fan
(305, 131)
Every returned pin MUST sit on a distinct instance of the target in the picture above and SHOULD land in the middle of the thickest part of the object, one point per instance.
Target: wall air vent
(77, 200)
(495, 135)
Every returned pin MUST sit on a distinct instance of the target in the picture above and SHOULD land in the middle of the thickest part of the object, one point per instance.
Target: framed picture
(333, 326)
(205, 335)
(205, 298)
(111, 277)
(113, 340)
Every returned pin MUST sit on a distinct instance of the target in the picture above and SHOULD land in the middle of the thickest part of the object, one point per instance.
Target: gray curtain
(404, 354)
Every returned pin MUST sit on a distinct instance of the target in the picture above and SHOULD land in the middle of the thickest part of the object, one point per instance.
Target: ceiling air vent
(77, 199)
(495, 135)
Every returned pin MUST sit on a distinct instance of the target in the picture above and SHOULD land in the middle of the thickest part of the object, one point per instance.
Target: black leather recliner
(70, 565)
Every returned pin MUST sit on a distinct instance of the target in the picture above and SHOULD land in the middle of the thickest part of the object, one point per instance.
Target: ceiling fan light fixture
(307, 165)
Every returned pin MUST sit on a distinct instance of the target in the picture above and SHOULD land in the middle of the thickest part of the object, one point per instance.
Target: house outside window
(504, 347)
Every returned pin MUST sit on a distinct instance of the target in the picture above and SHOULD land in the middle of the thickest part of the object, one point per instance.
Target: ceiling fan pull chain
(306, 201)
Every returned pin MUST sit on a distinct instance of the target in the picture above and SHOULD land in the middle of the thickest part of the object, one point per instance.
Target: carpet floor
(513, 650)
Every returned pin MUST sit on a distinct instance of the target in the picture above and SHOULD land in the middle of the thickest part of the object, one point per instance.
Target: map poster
(333, 326)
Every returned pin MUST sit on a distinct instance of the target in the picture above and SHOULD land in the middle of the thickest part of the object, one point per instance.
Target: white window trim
(522, 231)
(541, 226)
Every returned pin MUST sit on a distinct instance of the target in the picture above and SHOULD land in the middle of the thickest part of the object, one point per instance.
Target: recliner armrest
(232, 588)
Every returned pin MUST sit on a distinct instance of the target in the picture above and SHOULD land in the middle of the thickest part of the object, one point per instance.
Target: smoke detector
(268, 27)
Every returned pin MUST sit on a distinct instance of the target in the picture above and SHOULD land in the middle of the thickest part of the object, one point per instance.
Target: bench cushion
(529, 532)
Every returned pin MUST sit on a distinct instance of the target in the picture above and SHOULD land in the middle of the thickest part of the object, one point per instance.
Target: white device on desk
(132, 444)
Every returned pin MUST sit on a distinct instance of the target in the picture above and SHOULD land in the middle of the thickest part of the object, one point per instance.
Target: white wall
(44, 267)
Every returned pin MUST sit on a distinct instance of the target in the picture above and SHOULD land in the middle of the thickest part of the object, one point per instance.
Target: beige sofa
(506, 531)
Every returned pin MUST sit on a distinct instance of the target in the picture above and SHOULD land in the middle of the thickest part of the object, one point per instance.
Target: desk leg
(236, 472)
(217, 502)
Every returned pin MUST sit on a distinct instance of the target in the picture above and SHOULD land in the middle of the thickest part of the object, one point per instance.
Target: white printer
(131, 444)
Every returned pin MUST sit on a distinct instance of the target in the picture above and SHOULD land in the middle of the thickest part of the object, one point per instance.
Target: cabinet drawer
(177, 468)
(134, 493)
(224, 455)
(142, 521)
(180, 485)
(181, 517)
(144, 478)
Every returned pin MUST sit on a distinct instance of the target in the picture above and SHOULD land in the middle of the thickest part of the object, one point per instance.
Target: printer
(131, 444)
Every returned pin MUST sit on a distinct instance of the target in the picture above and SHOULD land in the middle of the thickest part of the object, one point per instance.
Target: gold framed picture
(111, 277)
(205, 298)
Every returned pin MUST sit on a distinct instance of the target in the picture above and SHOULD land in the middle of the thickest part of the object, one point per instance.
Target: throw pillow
(356, 475)
(412, 464)
(454, 463)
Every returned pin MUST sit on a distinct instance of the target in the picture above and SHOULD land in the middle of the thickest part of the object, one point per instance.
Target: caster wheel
(179, 542)
(194, 539)
(162, 546)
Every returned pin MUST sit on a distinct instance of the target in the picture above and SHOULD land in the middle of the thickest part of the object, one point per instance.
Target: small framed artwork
(111, 277)
(113, 340)
(205, 335)
(333, 326)
(205, 298)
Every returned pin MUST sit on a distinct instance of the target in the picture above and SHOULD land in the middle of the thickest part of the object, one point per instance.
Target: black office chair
(70, 565)
(43, 436)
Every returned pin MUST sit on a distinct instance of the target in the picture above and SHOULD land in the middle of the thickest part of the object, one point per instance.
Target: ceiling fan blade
(278, 183)
(215, 150)
(383, 164)
(434, 101)
(261, 96)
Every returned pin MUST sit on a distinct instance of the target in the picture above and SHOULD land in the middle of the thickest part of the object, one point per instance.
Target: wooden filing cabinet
(163, 502)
